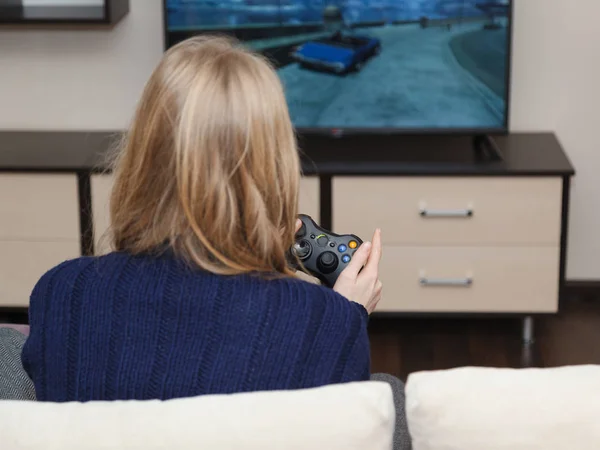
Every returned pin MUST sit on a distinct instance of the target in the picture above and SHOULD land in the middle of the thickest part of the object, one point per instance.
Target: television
(372, 66)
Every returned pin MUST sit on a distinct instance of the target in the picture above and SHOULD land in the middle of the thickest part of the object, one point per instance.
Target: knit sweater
(121, 327)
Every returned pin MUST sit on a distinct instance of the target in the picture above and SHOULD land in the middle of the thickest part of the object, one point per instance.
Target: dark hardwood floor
(402, 346)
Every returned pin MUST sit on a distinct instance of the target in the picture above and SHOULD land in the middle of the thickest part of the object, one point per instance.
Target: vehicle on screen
(341, 53)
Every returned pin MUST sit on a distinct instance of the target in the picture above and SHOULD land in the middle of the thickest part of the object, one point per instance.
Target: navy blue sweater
(125, 327)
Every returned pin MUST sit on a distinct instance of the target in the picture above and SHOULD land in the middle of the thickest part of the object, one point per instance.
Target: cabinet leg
(527, 358)
(528, 330)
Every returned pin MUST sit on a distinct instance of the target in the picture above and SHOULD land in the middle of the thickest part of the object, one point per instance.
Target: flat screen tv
(378, 66)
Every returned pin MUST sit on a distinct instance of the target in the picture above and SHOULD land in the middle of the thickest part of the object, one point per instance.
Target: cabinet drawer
(102, 185)
(469, 279)
(450, 211)
(309, 201)
(23, 263)
(38, 206)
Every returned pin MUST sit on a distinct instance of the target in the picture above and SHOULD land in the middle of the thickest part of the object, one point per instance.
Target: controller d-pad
(327, 262)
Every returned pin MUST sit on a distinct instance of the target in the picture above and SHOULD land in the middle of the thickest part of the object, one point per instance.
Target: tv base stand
(486, 148)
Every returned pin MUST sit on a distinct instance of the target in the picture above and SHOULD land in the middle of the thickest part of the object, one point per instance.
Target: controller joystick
(302, 249)
(322, 253)
(327, 262)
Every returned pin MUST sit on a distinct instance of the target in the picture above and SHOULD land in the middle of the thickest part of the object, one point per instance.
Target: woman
(198, 297)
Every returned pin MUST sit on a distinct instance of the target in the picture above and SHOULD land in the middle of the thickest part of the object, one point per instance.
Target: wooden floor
(402, 346)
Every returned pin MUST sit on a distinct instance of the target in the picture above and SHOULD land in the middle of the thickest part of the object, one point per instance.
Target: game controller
(322, 253)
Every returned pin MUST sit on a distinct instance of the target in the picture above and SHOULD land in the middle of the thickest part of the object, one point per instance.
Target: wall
(92, 79)
(81, 79)
(555, 87)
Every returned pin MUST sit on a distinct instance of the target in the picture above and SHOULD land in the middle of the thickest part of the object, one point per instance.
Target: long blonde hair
(209, 167)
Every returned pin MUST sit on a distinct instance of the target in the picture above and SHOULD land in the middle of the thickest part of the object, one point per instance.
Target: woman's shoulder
(63, 276)
(324, 319)
(66, 270)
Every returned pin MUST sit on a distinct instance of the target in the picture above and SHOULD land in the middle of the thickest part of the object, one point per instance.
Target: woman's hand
(364, 286)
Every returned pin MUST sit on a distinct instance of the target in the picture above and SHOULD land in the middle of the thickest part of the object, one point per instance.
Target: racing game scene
(369, 64)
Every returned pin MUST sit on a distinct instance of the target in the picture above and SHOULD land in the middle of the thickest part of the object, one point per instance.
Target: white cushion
(516, 409)
(346, 416)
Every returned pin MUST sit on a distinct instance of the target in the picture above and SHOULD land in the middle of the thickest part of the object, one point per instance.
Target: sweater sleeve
(43, 304)
(358, 365)
(341, 350)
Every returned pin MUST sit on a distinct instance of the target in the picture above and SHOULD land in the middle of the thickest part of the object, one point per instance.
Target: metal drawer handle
(460, 282)
(467, 212)
(424, 211)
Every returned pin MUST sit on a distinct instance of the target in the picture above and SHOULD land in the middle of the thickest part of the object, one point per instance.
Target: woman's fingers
(375, 256)
(358, 261)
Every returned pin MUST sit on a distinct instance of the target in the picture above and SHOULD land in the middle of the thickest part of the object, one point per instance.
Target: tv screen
(372, 65)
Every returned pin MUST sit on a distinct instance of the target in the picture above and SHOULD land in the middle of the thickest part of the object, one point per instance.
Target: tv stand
(486, 148)
(461, 237)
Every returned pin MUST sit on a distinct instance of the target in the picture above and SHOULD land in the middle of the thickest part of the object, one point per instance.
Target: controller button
(352, 244)
(322, 240)
(346, 258)
(327, 262)
(332, 244)
(342, 248)
(312, 236)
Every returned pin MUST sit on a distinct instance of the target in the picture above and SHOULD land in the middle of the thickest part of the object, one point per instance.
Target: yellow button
(352, 244)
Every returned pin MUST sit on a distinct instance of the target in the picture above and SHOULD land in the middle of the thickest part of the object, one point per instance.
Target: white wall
(92, 79)
(556, 73)
(78, 79)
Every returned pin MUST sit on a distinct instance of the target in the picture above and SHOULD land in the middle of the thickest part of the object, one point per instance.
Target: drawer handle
(425, 212)
(461, 282)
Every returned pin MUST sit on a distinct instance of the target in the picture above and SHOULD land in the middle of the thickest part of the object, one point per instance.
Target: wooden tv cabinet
(461, 236)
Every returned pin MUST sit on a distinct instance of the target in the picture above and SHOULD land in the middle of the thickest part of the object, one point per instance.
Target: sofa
(338, 417)
(475, 408)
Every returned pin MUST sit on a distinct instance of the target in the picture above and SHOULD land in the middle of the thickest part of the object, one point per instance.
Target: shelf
(106, 12)
(525, 154)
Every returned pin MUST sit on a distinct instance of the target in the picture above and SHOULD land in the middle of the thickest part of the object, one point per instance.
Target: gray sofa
(14, 383)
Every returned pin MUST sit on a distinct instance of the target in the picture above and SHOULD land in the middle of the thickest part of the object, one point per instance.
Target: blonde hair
(209, 167)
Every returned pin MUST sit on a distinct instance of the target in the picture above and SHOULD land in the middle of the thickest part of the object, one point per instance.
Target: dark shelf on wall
(107, 13)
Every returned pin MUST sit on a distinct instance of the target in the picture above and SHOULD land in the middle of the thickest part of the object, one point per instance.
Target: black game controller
(322, 253)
